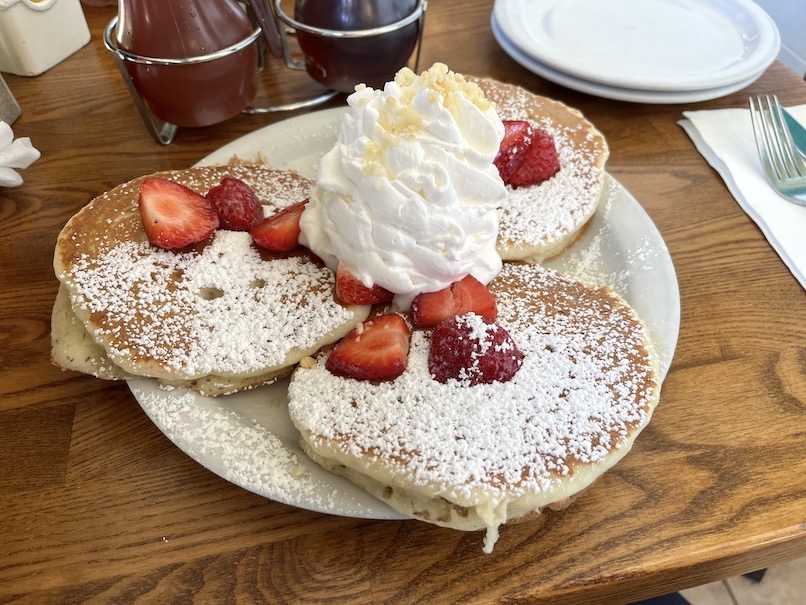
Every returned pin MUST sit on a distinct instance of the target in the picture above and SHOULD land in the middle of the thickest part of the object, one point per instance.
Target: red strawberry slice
(174, 216)
(468, 295)
(237, 206)
(540, 162)
(513, 147)
(280, 232)
(473, 350)
(351, 291)
(377, 349)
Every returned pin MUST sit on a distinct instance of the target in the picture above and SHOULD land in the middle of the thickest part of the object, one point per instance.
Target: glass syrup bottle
(191, 94)
(341, 63)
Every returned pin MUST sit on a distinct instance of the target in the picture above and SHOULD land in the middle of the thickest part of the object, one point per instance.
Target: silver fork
(783, 164)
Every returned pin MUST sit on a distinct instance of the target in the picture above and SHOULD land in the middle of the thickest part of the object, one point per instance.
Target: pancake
(73, 348)
(540, 221)
(475, 457)
(219, 316)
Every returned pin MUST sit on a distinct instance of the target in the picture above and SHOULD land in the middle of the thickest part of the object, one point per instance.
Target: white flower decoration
(14, 154)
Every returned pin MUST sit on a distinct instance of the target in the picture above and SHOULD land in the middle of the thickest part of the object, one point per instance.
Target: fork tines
(779, 155)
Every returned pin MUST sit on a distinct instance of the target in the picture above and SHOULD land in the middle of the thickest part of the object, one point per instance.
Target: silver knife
(797, 131)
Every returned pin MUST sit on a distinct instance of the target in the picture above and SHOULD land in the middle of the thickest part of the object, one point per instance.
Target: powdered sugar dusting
(251, 455)
(249, 440)
(480, 338)
(541, 215)
(233, 312)
(222, 308)
(622, 250)
(591, 263)
(587, 384)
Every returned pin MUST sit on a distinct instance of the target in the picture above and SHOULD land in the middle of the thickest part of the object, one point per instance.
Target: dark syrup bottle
(341, 63)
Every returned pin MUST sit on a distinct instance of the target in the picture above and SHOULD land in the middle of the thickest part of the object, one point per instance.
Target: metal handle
(125, 55)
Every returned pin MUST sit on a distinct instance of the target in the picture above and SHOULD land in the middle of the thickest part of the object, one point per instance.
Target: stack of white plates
(647, 51)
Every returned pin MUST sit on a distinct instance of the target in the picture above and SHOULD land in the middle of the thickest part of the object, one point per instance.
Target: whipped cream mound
(406, 199)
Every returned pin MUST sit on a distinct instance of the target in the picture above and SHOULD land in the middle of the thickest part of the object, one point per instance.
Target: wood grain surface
(97, 506)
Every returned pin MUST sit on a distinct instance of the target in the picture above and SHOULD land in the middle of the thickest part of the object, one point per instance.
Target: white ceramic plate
(661, 45)
(612, 92)
(249, 439)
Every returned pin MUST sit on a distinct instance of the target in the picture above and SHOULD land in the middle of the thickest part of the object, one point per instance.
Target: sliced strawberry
(473, 350)
(468, 295)
(517, 138)
(351, 291)
(237, 206)
(280, 232)
(540, 162)
(173, 215)
(377, 349)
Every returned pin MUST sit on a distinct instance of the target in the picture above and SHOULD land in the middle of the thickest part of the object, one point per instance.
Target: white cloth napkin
(14, 154)
(725, 139)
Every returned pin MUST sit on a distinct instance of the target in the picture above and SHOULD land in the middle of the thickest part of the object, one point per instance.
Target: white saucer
(648, 45)
(612, 92)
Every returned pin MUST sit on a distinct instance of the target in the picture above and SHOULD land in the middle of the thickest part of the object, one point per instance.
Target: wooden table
(97, 506)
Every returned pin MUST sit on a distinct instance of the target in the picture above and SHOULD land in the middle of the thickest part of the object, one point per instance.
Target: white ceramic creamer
(35, 35)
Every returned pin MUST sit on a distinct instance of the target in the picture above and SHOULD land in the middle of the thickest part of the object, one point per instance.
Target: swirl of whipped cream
(407, 197)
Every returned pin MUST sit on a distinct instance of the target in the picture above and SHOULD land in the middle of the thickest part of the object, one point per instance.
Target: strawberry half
(377, 349)
(473, 350)
(351, 291)
(513, 147)
(174, 216)
(237, 206)
(468, 295)
(280, 232)
(540, 162)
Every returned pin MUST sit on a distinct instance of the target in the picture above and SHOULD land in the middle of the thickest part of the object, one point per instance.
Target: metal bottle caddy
(165, 132)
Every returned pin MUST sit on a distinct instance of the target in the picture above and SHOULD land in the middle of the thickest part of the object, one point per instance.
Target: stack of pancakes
(474, 457)
(218, 317)
(224, 316)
